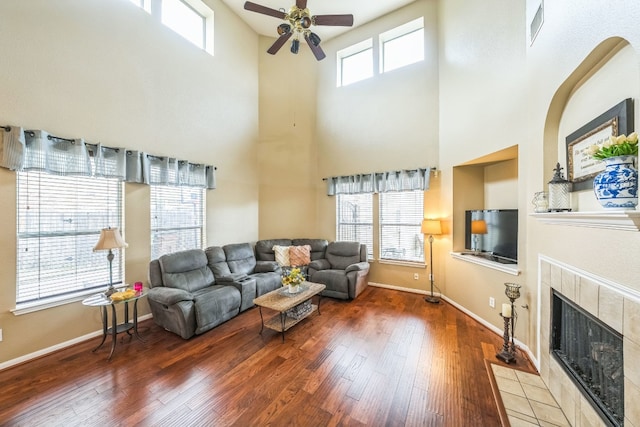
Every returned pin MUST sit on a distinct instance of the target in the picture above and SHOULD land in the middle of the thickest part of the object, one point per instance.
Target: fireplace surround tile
(568, 284)
(631, 399)
(549, 413)
(588, 295)
(610, 305)
(631, 357)
(631, 326)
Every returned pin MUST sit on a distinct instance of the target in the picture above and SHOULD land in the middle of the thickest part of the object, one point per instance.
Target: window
(354, 220)
(401, 215)
(59, 223)
(184, 20)
(401, 46)
(355, 63)
(177, 219)
(192, 19)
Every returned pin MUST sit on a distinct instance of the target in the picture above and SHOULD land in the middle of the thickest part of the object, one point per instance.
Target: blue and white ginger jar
(617, 186)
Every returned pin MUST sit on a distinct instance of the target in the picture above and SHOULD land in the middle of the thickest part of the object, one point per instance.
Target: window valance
(380, 182)
(37, 150)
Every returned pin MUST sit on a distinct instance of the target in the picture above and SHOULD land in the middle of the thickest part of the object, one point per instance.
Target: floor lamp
(110, 239)
(431, 227)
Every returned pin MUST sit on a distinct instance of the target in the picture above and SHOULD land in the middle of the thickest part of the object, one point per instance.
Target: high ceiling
(363, 11)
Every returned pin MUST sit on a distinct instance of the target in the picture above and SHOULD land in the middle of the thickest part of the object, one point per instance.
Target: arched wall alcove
(597, 60)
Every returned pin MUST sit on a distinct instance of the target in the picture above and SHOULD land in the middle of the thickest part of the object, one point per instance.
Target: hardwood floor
(387, 358)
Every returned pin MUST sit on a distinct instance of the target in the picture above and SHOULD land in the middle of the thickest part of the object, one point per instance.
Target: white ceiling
(363, 11)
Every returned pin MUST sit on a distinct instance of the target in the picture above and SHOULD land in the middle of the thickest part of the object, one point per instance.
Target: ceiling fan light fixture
(315, 39)
(284, 29)
(295, 46)
(305, 22)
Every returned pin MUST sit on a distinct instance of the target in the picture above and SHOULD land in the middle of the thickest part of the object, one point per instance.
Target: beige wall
(106, 71)
(500, 91)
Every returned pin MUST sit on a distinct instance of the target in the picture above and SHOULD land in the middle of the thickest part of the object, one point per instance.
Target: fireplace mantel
(611, 220)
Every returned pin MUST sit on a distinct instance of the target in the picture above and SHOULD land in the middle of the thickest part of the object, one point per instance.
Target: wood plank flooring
(387, 358)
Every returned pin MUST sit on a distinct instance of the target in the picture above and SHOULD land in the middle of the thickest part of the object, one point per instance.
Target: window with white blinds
(354, 219)
(401, 215)
(59, 223)
(177, 219)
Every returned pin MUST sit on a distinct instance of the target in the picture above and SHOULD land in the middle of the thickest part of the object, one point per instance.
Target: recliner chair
(344, 270)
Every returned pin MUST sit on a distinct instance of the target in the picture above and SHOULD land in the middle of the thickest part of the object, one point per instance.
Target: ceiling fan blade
(317, 50)
(264, 10)
(279, 43)
(301, 4)
(340, 20)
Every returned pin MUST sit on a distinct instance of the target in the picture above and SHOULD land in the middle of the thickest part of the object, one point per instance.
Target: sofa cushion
(217, 261)
(186, 270)
(264, 248)
(318, 246)
(240, 258)
(342, 254)
(282, 255)
(215, 305)
(299, 255)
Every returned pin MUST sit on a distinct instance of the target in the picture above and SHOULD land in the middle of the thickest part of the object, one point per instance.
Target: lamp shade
(478, 226)
(110, 238)
(431, 227)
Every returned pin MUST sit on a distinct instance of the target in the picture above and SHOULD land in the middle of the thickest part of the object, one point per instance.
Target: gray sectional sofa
(195, 290)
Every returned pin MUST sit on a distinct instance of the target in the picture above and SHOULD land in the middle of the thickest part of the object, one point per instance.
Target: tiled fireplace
(614, 305)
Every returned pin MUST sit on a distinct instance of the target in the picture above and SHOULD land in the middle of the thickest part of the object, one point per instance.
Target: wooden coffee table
(281, 300)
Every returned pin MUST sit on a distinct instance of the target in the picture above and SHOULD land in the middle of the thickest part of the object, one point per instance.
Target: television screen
(495, 239)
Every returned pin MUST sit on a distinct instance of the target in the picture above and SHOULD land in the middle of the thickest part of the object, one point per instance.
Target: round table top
(98, 300)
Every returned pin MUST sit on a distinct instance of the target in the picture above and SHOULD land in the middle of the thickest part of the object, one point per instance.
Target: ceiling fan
(298, 22)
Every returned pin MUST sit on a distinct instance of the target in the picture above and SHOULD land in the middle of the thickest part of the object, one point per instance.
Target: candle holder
(508, 353)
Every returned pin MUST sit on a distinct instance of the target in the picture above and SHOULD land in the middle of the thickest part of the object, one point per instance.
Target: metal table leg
(103, 312)
(114, 330)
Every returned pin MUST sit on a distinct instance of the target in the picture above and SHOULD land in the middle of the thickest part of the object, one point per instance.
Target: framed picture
(581, 168)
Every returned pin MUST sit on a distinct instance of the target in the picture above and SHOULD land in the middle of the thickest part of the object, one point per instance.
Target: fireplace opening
(591, 354)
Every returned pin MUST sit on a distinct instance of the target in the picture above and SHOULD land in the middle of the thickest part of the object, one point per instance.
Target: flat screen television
(500, 243)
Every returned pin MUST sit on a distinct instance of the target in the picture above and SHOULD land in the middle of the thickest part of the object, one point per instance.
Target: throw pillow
(282, 255)
(299, 255)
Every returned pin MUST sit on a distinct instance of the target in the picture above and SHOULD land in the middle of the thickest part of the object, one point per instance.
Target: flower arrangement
(622, 145)
(293, 277)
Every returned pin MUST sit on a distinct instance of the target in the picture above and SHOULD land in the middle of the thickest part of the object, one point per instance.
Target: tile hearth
(526, 399)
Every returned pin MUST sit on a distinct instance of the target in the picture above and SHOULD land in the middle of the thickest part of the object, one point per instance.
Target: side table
(102, 301)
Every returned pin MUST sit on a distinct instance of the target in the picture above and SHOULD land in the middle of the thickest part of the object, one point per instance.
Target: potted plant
(617, 186)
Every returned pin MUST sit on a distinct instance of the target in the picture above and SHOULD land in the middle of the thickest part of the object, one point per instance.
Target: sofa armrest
(359, 266)
(319, 264)
(266, 266)
(233, 277)
(169, 296)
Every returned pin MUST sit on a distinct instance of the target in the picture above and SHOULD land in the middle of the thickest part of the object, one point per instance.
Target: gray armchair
(344, 270)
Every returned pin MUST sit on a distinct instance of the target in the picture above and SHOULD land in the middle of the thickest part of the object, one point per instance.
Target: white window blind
(59, 223)
(354, 219)
(401, 215)
(177, 219)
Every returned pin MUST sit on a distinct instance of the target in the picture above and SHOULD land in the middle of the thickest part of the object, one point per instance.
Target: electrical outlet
(0, 334)
(492, 302)
(416, 276)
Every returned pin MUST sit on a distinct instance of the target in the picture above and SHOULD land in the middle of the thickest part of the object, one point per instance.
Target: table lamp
(478, 226)
(110, 239)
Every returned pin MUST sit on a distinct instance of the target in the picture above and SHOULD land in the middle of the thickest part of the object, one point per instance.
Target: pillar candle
(506, 310)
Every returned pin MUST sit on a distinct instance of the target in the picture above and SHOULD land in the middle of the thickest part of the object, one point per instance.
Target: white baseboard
(45, 351)
(488, 325)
